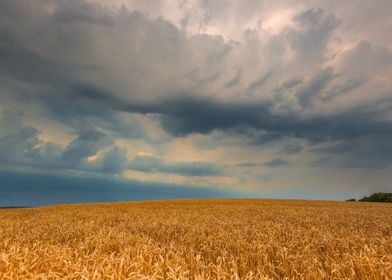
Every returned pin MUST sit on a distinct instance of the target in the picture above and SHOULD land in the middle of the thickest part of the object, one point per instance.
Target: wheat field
(198, 239)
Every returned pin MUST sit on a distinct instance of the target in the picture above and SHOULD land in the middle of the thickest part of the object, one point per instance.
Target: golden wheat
(198, 239)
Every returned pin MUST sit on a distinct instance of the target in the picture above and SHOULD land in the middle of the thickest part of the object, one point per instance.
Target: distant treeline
(376, 197)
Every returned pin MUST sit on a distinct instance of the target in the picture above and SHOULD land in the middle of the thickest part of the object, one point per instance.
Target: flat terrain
(198, 239)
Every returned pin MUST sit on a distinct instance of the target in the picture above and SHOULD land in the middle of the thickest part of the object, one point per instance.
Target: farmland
(198, 239)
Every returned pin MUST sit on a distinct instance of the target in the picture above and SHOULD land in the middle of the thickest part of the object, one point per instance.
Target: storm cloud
(124, 87)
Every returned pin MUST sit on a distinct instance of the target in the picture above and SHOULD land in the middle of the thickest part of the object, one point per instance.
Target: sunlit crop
(198, 239)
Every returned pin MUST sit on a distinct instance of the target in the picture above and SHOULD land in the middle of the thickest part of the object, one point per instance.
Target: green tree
(378, 197)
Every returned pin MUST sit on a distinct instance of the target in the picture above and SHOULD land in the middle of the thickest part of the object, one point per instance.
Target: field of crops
(198, 239)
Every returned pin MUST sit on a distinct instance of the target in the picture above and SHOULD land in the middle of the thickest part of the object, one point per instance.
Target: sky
(288, 99)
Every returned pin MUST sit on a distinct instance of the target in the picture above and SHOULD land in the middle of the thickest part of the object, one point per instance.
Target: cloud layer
(238, 94)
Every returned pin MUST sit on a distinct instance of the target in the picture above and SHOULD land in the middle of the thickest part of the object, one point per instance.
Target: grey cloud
(286, 87)
(255, 85)
(236, 79)
(182, 116)
(209, 79)
(197, 169)
(10, 122)
(88, 143)
(79, 11)
(263, 137)
(316, 26)
(114, 161)
(345, 87)
(20, 145)
(366, 152)
(84, 105)
(18, 60)
(274, 163)
(189, 115)
(291, 149)
(277, 163)
(366, 58)
(248, 164)
(314, 86)
(37, 48)
(136, 65)
(356, 125)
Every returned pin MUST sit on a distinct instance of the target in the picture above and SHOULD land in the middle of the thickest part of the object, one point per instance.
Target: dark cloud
(291, 149)
(74, 100)
(277, 163)
(114, 161)
(182, 116)
(274, 163)
(197, 169)
(84, 66)
(371, 152)
(18, 189)
(314, 86)
(186, 115)
(88, 143)
(39, 48)
(20, 145)
(22, 63)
